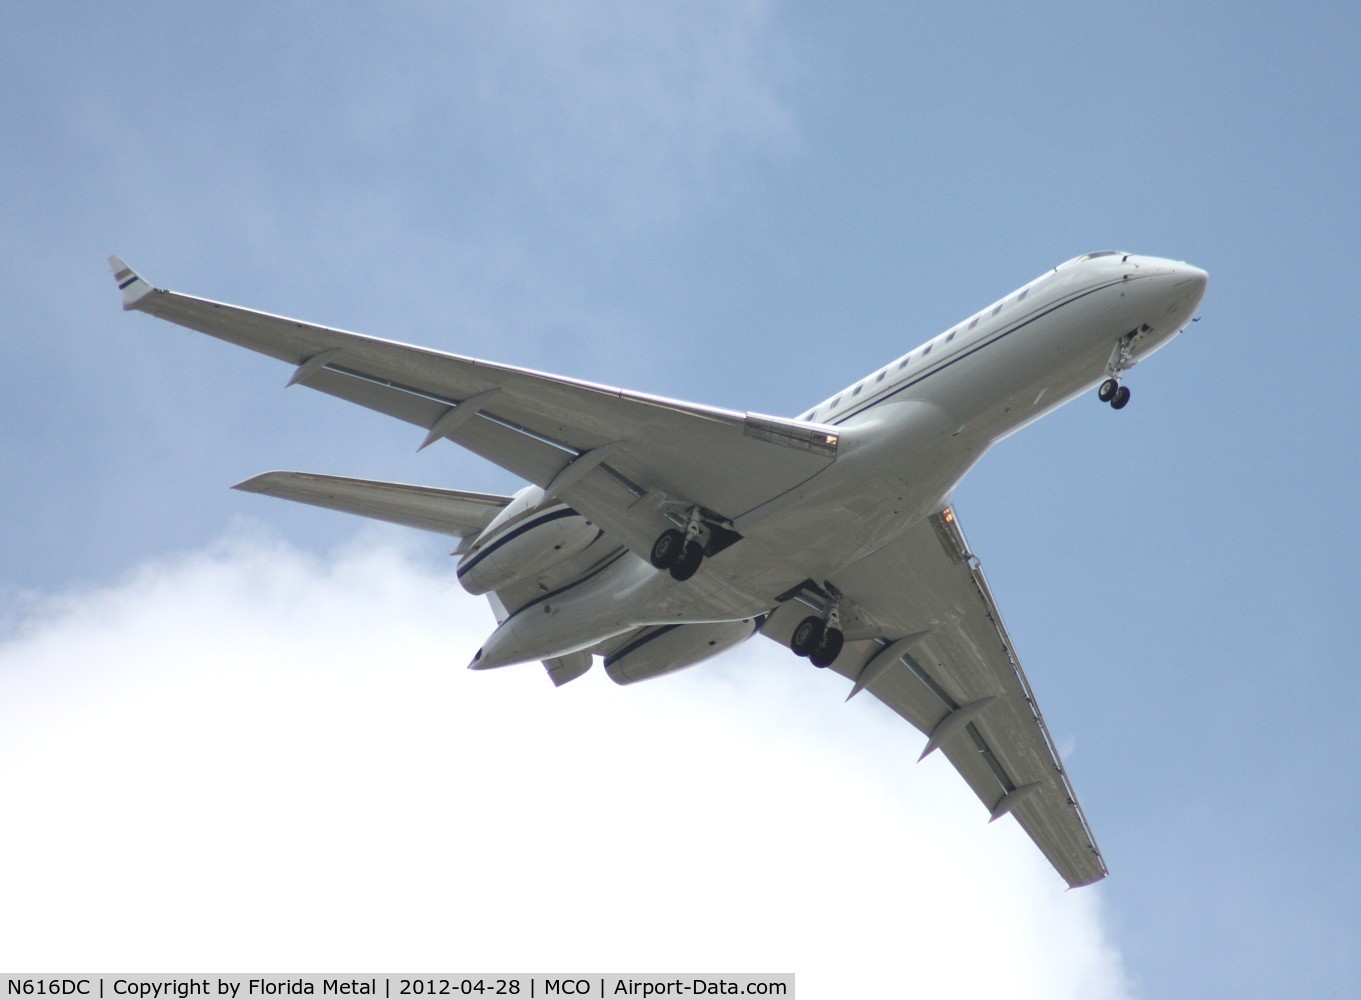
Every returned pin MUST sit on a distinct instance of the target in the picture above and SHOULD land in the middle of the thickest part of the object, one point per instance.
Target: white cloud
(249, 758)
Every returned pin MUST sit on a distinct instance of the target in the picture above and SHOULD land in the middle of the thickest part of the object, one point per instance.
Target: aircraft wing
(941, 658)
(620, 456)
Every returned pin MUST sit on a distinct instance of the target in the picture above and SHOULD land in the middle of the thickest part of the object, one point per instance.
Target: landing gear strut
(681, 552)
(1122, 359)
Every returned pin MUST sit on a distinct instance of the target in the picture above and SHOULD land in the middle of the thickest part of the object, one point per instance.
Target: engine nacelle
(664, 648)
(525, 539)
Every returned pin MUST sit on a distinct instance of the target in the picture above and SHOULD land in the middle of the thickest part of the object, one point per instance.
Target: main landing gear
(681, 552)
(819, 640)
(673, 551)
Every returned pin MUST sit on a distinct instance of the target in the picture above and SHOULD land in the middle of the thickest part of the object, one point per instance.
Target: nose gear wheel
(1121, 360)
(1114, 393)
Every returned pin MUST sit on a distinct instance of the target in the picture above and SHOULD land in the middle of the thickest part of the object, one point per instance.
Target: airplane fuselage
(908, 434)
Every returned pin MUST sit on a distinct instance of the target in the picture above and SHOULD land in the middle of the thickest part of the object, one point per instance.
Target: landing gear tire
(829, 649)
(1121, 398)
(1108, 390)
(808, 636)
(687, 564)
(667, 549)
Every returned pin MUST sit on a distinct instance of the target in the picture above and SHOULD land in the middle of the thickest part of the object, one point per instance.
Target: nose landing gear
(1121, 361)
(1113, 392)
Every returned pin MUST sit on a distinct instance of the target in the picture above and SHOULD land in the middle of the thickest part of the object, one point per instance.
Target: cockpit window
(1091, 256)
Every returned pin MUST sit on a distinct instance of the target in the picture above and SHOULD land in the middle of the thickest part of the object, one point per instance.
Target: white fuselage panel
(909, 432)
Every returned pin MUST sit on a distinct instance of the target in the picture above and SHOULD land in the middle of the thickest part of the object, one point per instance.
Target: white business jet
(659, 533)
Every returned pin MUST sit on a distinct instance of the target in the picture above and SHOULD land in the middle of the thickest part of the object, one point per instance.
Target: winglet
(132, 284)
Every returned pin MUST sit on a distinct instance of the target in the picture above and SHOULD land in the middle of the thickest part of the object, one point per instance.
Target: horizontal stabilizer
(446, 512)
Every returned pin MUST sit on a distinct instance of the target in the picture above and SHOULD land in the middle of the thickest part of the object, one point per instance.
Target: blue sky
(745, 205)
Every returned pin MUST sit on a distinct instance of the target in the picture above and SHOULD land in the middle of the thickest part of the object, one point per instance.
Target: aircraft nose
(1194, 277)
(1190, 282)
(1182, 289)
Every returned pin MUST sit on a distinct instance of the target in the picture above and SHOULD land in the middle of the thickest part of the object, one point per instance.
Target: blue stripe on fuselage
(533, 523)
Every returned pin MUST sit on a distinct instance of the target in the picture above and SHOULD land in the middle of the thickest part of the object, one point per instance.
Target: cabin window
(974, 322)
(880, 376)
(856, 390)
(834, 402)
(951, 336)
(1024, 293)
(903, 363)
(998, 309)
(926, 350)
